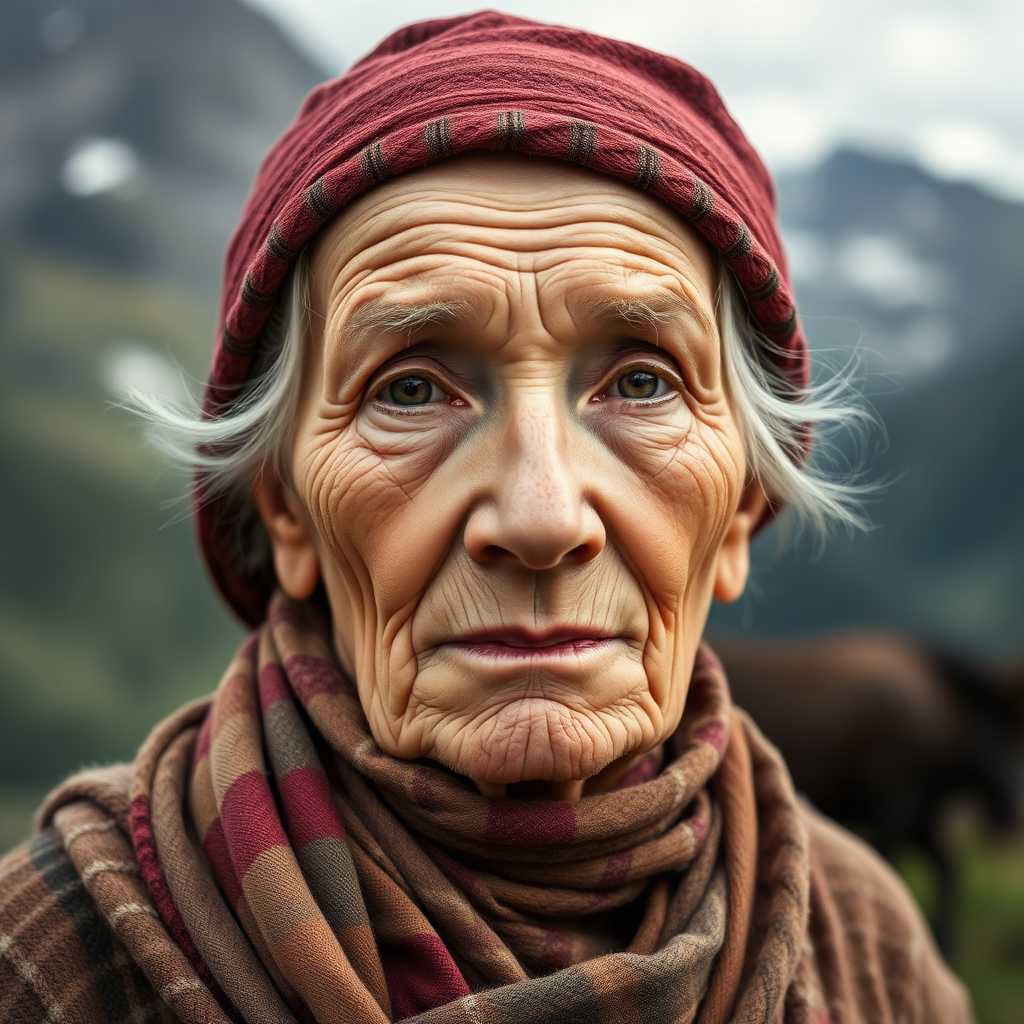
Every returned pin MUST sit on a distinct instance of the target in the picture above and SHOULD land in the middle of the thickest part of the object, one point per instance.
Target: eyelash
(675, 386)
(412, 410)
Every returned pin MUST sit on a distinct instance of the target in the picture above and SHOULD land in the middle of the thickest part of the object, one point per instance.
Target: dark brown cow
(882, 734)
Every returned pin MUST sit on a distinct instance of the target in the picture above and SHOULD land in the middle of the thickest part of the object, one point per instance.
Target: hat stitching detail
(374, 163)
(648, 167)
(582, 141)
(511, 129)
(437, 136)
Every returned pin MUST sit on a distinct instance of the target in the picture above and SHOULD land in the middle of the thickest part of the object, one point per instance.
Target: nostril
(494, 553)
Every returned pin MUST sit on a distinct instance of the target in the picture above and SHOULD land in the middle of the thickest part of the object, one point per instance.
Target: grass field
(990, 948)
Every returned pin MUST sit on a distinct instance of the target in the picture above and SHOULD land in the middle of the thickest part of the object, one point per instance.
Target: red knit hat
(490, 81)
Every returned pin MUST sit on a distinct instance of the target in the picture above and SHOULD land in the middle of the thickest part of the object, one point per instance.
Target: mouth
(523, 644)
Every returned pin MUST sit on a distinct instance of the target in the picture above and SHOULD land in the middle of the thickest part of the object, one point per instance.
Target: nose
(536, 513)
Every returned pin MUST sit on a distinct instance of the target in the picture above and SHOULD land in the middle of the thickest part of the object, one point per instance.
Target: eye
(638, 384)
(411, 390)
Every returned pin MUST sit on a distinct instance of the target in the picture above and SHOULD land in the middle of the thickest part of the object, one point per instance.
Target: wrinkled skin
(514, 468)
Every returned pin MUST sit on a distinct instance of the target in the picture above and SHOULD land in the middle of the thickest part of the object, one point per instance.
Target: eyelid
(377, 392)
(649, 365)
(392, 372)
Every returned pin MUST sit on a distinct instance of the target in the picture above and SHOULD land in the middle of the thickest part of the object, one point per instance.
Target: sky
(938, 81)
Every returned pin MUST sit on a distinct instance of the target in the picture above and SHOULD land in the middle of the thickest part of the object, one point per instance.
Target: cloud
(800, 75)
(885, 271)
(791, 130)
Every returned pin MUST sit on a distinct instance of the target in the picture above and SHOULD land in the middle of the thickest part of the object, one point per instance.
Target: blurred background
(129, 134)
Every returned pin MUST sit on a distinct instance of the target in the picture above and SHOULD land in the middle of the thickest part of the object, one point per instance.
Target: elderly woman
(508, 377)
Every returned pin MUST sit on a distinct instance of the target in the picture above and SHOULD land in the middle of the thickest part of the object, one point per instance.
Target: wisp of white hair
(778, 421)
(254, 435)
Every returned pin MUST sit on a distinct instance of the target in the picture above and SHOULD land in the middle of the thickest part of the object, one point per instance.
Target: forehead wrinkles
(484, 305)
(436, 207)
(506, 261)
(473, 301)
(606, 248)
(549, 197)
(517, 243)
(414, 257)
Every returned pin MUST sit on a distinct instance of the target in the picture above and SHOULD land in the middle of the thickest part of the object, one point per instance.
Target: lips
(519, 643)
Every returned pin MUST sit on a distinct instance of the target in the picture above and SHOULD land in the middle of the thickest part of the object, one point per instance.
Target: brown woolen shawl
(296, 863)
(265, 861)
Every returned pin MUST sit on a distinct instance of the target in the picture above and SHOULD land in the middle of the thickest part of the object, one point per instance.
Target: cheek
(669, 512)
(675, 486)
(385, 520)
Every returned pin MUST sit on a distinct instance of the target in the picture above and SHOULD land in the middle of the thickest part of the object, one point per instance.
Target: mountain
(130, 133)
(920, 272)
(921, 278)
(133, 128)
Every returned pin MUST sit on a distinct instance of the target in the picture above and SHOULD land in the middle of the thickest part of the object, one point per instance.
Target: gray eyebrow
(636, 312)
(405, 317)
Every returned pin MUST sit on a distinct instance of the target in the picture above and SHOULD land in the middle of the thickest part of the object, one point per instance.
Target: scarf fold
(301, 874)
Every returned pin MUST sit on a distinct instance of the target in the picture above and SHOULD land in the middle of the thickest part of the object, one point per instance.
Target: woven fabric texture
(264, 861)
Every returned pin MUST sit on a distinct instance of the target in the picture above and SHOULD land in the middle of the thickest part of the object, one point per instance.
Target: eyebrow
(404, 317)
(377, 316)
(636, 312)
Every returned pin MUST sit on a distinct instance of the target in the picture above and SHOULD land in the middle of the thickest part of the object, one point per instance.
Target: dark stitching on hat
(511, 128)
(374, 163)
(437, 136)
(278, 248)
(740, 245)
(648, 167)
(767, 289)
(782, 328)
(234, 346)
(253, 298)
(702, 203)
(317, 201)
(582, 140)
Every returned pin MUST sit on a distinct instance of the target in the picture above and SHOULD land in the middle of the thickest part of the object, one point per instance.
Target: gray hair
(253, 437)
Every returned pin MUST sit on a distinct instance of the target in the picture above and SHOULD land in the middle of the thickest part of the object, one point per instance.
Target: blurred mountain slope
(130, 132)
(929, 271)
(195, 89)
(921, 278)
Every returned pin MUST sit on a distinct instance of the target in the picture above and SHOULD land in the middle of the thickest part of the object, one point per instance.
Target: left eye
(639, 384)
(411, 390)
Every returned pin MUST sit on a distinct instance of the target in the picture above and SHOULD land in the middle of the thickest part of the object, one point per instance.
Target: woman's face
(514, 468)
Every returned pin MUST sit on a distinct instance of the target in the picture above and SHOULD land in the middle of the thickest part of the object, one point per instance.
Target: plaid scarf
(264, 861)
(274, 866)
(306, 875)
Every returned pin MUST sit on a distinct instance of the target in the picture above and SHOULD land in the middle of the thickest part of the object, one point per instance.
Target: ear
(732, 564)
(296, 559)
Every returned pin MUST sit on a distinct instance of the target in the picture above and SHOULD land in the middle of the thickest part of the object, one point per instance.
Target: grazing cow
(882, 734)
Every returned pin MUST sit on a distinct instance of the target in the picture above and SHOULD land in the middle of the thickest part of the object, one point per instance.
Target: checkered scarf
(306, 875)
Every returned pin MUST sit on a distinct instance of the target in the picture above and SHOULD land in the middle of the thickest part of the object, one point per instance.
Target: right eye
(411, 390)
(638, 384)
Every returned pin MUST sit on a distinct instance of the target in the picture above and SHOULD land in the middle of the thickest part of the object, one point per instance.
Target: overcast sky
(939, 80)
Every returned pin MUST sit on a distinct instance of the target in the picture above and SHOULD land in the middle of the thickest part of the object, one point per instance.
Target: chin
(540, 739)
